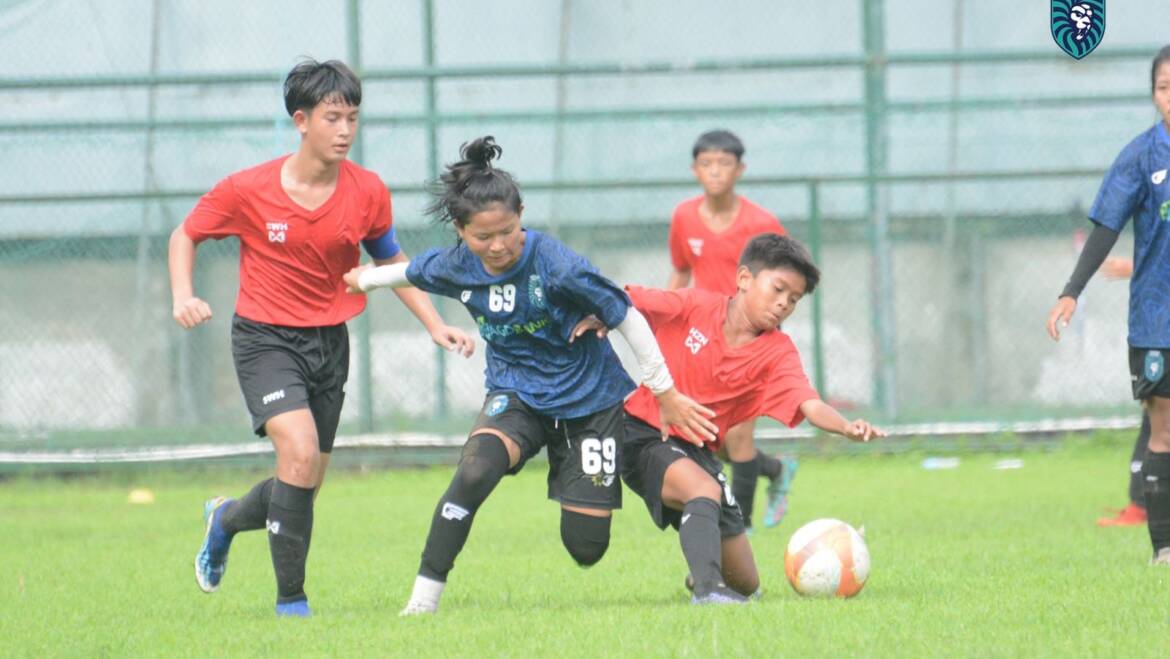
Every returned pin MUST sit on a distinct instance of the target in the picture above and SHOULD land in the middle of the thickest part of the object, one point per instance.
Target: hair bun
(481, 152)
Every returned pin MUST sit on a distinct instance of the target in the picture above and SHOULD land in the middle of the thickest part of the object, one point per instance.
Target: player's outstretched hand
(191, 312)
(1117, 268)
(861, 430)
(453, 339)
(688, 417)
(1060, 315)
(587, 324)
(351, 279)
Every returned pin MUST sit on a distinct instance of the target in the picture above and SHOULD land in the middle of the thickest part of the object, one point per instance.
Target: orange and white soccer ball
(827, 558)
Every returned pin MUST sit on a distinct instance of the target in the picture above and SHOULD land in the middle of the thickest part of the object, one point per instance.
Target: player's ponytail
(473, 185)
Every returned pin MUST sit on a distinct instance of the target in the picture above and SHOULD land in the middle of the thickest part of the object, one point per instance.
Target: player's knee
(706, 488)
(585, 537)
(482, 464)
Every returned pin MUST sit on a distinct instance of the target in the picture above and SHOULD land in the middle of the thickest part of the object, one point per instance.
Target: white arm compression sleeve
(393, 276)
(636, 331)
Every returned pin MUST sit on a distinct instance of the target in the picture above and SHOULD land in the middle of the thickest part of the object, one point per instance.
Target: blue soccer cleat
(211, 561)
(721, 594)
(778, 493)
(295, 609)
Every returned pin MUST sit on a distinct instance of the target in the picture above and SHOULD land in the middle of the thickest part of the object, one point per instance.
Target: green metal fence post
(433, 173)
(882, 281)
(365, 346)
(814, 243)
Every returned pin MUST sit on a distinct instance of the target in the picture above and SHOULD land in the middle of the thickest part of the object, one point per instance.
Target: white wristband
(636, 331)
(392, 276)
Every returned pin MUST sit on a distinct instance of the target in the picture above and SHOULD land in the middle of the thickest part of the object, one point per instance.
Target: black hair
(472, 185)
(310, 82)
(718, 140)
(771, 251)
(1162, 56)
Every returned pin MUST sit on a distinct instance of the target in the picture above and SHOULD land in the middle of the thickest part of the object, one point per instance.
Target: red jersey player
(707, 236)
(299, 219)
(730, 356)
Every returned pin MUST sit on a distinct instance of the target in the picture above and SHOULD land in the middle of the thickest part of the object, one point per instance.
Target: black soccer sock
(483, 463)
(743, 486)
(1140, 447)
(769, 466)
(290, 521)
(698, 533)
(1156, 470)
(249, 512)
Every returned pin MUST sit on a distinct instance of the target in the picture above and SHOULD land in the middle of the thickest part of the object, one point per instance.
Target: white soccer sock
(426, 593)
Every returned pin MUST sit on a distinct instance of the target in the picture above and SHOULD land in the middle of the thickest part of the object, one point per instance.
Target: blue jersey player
(550, 383)
(1136, 186)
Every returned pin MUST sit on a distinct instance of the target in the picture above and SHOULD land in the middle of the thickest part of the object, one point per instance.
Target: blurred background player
(729, 355)
(707, 237)
(1134, 513)
(1136, 186)
(528, 293)
(299, 220)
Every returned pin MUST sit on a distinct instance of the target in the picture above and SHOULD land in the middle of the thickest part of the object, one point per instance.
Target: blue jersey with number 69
(1137, 186)
(526, 316)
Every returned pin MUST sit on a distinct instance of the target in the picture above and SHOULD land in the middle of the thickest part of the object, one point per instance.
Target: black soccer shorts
(584, 454)
(1147, 372)
(281, 369)
(645, 461)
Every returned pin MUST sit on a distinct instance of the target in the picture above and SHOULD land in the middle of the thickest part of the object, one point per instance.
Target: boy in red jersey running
(707, 236)
(299, 220)
(729, 356)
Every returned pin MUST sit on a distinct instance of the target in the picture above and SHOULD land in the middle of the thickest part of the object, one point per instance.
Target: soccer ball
(825, 558)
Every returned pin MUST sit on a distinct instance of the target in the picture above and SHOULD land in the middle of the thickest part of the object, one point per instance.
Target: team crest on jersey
(465, 296)
(1164, 210)
(277, 231)
(536, 292)
(1077, 25)
(496, 405)
(696, 246)
(1157, 177)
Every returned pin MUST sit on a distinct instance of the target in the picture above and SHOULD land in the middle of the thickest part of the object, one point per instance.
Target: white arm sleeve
(636, 331)
(392, 276)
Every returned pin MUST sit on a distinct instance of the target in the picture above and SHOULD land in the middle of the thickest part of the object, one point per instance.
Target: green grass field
(966, 562)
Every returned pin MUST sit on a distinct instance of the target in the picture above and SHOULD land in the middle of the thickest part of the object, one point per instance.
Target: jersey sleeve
(381, 241)
(578, 282)
(432, 271)
(657, 305)
(215, 214)
(787, 389)
(679, 254)
(1121, 191)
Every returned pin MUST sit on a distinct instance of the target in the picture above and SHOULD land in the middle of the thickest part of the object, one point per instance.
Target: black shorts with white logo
(281, 369)
(584, 454)
(646, 459)
(1147, 372)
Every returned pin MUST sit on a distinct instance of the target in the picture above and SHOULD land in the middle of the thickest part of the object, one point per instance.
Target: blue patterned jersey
(1136, 186)
(526, 315)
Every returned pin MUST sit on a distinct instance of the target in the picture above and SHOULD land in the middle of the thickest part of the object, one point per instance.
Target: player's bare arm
(187, 310)
(827, 418)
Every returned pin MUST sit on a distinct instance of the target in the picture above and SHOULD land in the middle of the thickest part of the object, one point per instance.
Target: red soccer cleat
(1131, 515)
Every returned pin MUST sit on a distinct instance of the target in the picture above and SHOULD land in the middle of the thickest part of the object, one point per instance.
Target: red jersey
(763, 377)
(713, 257)
(292, 259)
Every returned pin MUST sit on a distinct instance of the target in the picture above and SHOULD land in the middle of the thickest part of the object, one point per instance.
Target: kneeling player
(727, 355)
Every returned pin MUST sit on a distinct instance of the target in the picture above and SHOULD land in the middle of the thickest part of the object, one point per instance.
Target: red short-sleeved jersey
(761, 378)
(292, 259)
(713, 257)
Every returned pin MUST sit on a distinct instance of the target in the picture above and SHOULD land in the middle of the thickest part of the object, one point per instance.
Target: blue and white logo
(496, 405)
(1078, 25)
(536, 292)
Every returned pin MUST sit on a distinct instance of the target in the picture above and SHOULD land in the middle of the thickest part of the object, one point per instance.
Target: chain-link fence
(938, 159)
